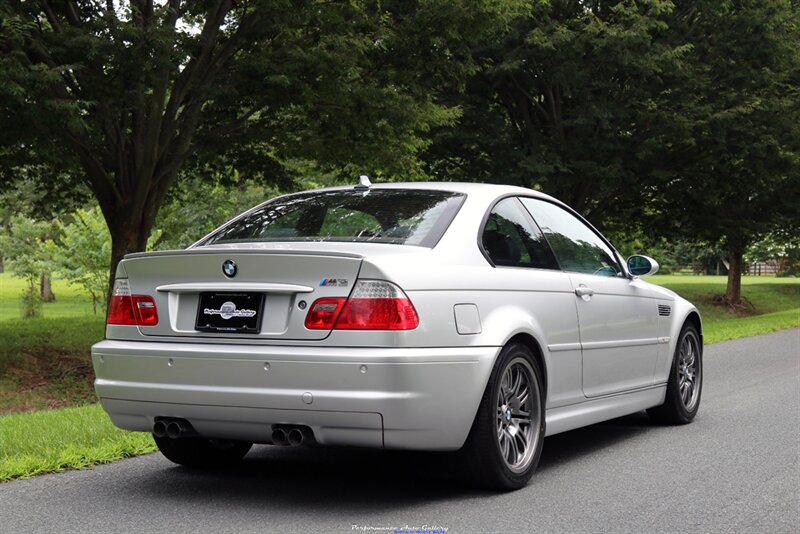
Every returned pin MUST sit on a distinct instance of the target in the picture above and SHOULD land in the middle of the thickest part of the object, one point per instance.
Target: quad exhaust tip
(283, 435)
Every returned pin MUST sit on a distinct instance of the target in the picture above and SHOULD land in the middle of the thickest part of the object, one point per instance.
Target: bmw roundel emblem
(229, 268)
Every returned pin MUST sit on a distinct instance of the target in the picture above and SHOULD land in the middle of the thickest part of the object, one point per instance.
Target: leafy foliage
(195, 207)
(680, 118)
(21, 247)
(734, 174)
(126, 94)
(568, 102)
(30, 302)
(82, 253)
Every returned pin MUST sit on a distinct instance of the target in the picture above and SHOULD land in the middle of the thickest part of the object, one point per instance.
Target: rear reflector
(373, 305)
(323, 313)
(146, 313)
(127, 309)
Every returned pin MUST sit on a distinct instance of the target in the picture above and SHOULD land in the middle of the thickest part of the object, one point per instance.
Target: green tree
(567, 102)
(123, 95)
(23, 194)
(22, 246)
(82, 252)
(677, 119)
(195, 207)
(735, 173)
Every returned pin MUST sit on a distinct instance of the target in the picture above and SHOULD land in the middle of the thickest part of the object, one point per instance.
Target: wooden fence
(764, 268)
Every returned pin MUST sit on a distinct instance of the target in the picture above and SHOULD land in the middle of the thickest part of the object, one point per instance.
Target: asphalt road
(735, 469)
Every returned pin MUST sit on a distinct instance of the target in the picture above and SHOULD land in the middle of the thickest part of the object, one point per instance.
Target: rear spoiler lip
(256, 287)
(243, 251)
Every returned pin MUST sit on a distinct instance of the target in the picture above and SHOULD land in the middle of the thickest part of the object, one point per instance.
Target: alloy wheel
(689, 370)
(518, 415)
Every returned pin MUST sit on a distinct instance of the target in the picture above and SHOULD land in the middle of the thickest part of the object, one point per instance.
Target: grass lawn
(774, 304)
(68, 438)
(70, 299)
(44, 362)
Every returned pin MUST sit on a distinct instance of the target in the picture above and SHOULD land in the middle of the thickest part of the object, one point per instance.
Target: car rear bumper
(409, 398)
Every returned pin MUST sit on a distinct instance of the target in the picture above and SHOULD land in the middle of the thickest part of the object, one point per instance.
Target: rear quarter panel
(510, 301)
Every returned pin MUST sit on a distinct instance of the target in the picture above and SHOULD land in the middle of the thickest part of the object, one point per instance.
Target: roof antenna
(363, 183)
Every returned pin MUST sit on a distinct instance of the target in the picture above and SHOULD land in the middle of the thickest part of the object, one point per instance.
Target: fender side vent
(664, 310)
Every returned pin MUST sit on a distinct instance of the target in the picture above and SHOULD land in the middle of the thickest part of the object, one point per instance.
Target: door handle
(584, 292)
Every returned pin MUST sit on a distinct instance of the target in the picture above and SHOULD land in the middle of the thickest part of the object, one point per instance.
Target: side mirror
(642, 265)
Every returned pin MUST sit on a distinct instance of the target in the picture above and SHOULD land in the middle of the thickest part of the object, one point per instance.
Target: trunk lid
(289, 280)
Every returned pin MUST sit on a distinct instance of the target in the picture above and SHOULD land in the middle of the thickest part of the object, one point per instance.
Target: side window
(511, 240)
(576, 246)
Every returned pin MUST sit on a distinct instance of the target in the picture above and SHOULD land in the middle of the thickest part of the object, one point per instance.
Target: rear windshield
(396, 216)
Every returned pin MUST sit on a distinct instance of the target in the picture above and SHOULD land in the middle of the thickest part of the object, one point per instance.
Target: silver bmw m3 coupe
(437, 316)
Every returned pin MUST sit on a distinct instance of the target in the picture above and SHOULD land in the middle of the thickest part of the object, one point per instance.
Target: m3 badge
(333, 282)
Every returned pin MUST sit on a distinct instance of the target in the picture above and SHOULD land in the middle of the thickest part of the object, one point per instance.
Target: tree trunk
(46, 289)
(733, 293)
(125, 239)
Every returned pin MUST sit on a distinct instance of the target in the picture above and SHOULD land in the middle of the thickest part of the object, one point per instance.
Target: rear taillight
(121, 308)
(373, 305)
(137, 310)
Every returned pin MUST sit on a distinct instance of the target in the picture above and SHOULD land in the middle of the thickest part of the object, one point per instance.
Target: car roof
(493, 190)
(482, 195)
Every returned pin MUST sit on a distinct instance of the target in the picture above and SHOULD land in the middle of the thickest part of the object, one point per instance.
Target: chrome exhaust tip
(279, 437)
(173, 428)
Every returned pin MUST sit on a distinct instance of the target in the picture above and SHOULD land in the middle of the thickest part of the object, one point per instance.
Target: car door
(523, 260)
(617, 316)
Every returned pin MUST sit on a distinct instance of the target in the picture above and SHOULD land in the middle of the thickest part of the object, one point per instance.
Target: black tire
(200, 452)
(676, 410)
(483, 455)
